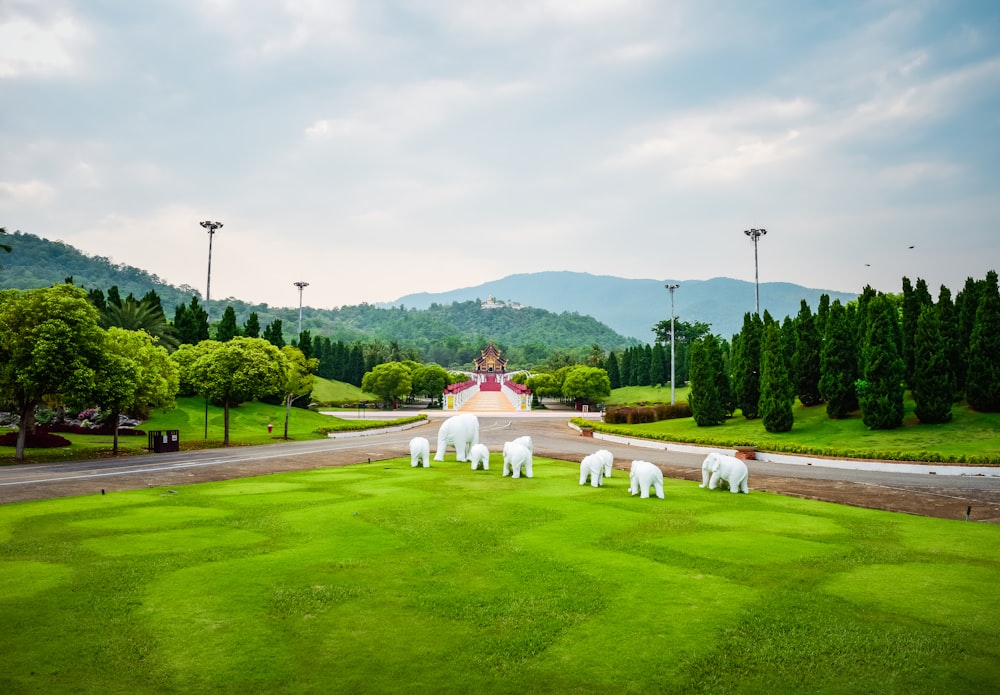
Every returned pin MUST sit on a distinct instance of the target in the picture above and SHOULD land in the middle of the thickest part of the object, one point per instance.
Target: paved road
(936, 495)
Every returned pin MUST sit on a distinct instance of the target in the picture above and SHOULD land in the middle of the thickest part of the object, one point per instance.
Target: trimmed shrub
(36, 440)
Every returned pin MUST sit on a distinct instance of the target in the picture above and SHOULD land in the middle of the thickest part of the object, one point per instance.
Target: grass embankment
(385, 578)
(247, 426)
(336, 393)
(970, 437)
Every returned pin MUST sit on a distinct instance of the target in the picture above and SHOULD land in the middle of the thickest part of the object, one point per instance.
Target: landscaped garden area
(385, 578)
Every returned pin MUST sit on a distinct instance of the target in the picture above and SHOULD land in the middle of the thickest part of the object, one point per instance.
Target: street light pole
(211, 227)
(671, 288)
(301, 285)
(754, 235)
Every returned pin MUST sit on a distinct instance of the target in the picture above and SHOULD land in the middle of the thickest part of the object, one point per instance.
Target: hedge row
(640, 415)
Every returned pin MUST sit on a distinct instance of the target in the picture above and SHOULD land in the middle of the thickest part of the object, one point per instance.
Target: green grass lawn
(385, 578)
(337, 392)
(970, 437)
(634, 395)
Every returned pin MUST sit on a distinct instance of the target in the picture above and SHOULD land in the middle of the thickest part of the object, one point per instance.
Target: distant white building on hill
(492, 303)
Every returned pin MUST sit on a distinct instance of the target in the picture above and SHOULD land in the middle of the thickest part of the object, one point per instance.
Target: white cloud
(29, 48)
(15, 194)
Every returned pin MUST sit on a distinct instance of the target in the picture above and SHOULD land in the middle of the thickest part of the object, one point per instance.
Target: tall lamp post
(301, 285)
(671, 288)
(211, 227)
(754, 235)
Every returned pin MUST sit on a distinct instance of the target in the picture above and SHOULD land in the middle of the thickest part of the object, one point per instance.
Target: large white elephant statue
(597, 466)
(479, 454)
(526, 442)
(718, 467)
(644, 475)
(515, 457)
(420, 452)
(459, 431)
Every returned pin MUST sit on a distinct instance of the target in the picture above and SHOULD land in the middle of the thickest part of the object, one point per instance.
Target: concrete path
(488, 403)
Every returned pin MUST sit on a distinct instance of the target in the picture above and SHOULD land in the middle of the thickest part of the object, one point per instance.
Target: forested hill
(38, 262)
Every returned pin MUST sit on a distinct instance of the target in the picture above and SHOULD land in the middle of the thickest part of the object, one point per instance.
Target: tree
(932, 384)
(705, 399)
(251, 329)
(806, 364)
(747, 368)
(298, 378)
(50, 348)
(273, 334)
(948, 322)
(982, 384)
(390, 381)
(544, 385)
(430, 380)
(880, 391)
(139, 315)
(659, 368)
(227, 329)
(135, 375)
(614, 376)
(237, 371)
(776, 393)
(6, 248)
(190, 322)
(838, 365)
(585, 383)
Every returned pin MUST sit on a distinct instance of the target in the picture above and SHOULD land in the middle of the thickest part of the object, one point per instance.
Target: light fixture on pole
(211, 227)
(754, 235)
(301, 285)
(671, 288)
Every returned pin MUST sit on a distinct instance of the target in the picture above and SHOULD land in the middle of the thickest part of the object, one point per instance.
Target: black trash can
(163, 440)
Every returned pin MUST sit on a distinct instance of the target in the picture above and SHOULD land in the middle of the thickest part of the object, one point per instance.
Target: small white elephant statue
(459, 431)
(728, 468)
(479, 454)
(644, 475)
(526, 442)
(515, 457)
(597, 466)
(420, 452)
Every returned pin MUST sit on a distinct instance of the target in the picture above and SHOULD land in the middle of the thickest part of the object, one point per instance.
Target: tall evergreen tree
(806, 363)
(704, 397)
(613, 375)
(822, 314)
(645, 360)
(776, 392)
(305, 343)
(948, 321)
(274, 334)
(880, 391)
(914, 300)
(251, 329)
(113, 296)
(748, 397)
(966, 304)
(659, 370)
(356, 365)
(190, 323)
(838, 364)
(932, 385)
(626, 367)
(227, 329)
(982, 386)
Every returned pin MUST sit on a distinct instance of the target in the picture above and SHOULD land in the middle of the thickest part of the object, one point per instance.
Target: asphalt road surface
(944, 496)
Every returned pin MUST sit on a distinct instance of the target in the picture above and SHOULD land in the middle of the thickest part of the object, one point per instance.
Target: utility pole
(755, 235)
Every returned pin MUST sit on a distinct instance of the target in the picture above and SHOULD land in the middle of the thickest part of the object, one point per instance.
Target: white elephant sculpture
(644, 475)
(526, 442)
(515, 457)
(459, 431)
(479, 454)
(420, 452)
(718, 467)
(597, 466)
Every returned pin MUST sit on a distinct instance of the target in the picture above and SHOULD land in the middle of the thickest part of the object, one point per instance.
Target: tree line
(862, 355)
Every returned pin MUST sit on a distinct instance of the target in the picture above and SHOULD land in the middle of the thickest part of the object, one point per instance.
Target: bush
(641, 415)
(40, 439)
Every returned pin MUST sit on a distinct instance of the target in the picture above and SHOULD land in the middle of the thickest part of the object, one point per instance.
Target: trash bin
(163, 440)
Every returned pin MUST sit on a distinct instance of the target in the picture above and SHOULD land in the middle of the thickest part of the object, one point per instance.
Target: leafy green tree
(932, 383)
(776, 392)
(880, 391)
(806, 369)
(227, 329)
(585, 383)
(135, 375)
(51, 347)
(838, 364)
(982, 385)
(545, 385)
(614, 376)
(183, 358)
(390, 381)
(704, 398)
(430, 380)
(237, 371)
(251, 329)
(298, 378)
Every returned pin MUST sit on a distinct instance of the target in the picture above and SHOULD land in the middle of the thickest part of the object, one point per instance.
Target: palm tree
(140, 315)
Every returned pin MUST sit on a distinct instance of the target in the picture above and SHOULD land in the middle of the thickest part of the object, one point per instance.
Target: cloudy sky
(375, 148)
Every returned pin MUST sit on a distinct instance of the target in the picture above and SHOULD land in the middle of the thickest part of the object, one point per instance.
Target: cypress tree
(356, 365)
(966, 303)
(880, 392)
(227, 330)
(613, 375)
(822, 314)
(982, 385)
(932, 387)
(806, 364)
(704, 398)
(748, 397)
(948, 322)
(626, 367)
(659, 370)
(645, 362)
(251, 329)
(776, 393)
(274, 334)
(305, 343)
(838, 365)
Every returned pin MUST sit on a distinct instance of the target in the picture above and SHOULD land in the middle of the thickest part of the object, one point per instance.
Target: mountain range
(633, 306)
(630, 307)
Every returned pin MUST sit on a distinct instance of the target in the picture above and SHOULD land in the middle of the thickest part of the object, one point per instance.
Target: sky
(379, 148)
